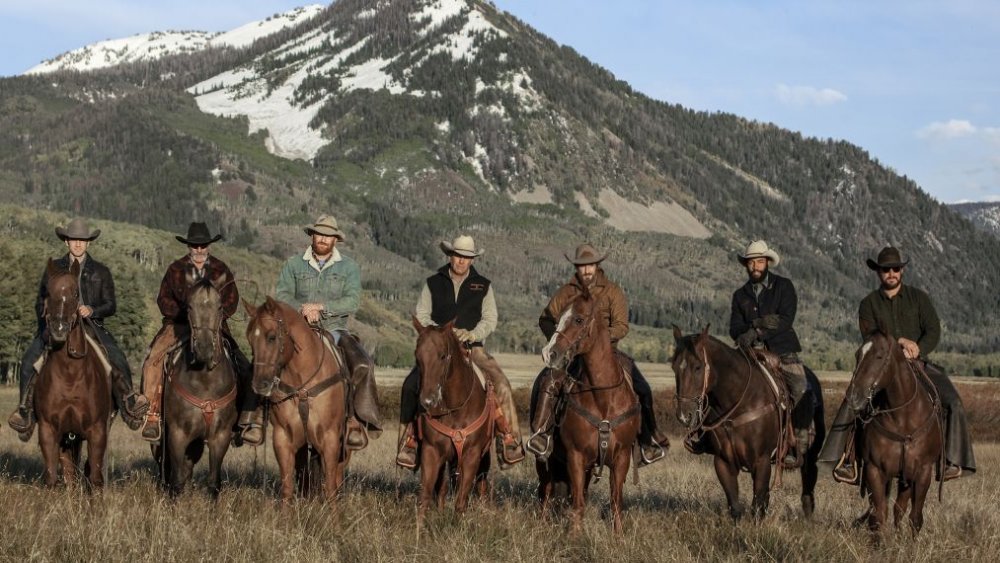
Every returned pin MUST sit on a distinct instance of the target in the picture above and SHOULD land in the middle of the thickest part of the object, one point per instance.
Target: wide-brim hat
(758, 249)
(586, 254)
(463, 245)
(888, 257)
(325, 225)
(77, 229)
(198, 235)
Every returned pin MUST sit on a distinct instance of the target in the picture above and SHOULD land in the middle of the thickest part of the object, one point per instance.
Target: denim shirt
(337, 285)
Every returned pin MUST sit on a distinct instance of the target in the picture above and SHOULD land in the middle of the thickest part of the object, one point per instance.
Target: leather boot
(653, 447)
(152, 428)
(540, 443)
(697, 445)
(251, 425)
(131, 405)
(22, 420)
(357, 436)
(406, 457)
(795, 457)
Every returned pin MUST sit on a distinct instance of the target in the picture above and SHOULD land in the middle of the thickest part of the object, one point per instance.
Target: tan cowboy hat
(586, 254)
(759, 249)
(78, 229)
(198, 235)
(463, 245)
(325, 225)
(889, 257)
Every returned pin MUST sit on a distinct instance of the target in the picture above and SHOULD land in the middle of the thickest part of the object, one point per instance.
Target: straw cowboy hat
(889, 257)
(759, 249)
(198, 235)
(78, 229)
(463, 245)
(325, 225)
(586, 254)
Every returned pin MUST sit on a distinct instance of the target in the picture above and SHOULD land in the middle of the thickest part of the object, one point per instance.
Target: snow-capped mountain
(146, 46)
(984, 215)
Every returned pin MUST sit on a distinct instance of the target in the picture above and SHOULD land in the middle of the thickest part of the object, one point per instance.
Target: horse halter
(277, 364)
(61, 310)
(876, 385)
(573, 349)
(447, 375)
(701, 401)
(217, 330)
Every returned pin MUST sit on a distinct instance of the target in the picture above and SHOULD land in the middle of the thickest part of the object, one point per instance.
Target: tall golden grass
(677, 513)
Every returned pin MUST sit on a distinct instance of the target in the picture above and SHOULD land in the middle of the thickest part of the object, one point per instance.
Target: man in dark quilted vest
(457, 292)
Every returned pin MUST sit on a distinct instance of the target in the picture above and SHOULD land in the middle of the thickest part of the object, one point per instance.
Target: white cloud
(808, 95)
(951, 129)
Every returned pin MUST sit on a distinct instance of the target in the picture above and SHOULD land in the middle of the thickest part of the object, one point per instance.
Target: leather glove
(767, 322)
(464, 335)
(747, 339)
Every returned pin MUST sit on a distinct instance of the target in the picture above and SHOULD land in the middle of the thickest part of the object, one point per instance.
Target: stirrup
(846, 472)
(541, 454)
(661, 453)
(152, 429)
(357, 436)
(510, 451)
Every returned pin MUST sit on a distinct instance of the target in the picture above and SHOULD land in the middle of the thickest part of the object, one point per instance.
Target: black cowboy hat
(198, 235)
(888, 257)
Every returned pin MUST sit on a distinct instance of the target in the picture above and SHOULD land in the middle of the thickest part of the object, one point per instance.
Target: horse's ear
(450, 326)
(51, 269)
(250, 309)
(270, 304)
(586, 292)
(75, 268)
(219, 282)
(416, 324)
(704, 332)
(677, 333)
(189, 276)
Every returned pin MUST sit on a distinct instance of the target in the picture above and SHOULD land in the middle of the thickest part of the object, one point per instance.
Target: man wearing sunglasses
(908, 314)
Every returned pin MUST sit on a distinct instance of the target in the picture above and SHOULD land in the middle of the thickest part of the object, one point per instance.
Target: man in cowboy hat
(97, 302)
(325, 286)
(613, 311)
(762, 314)
(457, 292)
(908, 314)
(197, 264)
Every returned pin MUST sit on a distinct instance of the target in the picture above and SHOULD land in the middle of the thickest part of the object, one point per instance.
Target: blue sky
(907, 80)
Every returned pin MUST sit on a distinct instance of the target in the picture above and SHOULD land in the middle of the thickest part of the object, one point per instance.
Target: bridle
(700, 402)
(876, 385)
(446, 410)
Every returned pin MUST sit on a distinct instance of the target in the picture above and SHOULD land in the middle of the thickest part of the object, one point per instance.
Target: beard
(321, 248)
(891, 284)
(757, 276)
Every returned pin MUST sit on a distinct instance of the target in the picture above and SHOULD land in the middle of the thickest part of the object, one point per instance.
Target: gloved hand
(747, 339)
(464, 335)
(767, 322)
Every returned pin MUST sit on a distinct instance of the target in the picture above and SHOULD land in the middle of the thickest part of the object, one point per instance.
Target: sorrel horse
(601, 420)
(721, 392)
(902, 436)
(457, 418)
(305, 384)
(199, 397)
(73, 391)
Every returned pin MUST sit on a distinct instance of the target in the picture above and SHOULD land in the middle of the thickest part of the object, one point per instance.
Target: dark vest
(467, 310)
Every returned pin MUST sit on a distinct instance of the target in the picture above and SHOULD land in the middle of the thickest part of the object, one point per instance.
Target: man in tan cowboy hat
(197, 264)
(325, 286)
(908, 314)
(762, 314)
(97, 302)
(613, 311)
(457, 292)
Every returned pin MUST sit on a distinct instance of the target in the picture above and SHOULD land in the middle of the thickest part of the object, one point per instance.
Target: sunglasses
(198, 246)
(893, 269)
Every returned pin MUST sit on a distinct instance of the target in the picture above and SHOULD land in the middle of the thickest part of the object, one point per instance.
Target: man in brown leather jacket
(613, 309)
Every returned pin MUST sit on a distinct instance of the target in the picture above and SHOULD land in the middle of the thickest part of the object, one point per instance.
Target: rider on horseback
(908, 314)
(613, 311)
(458, 292)
(171, 301)
(97, 302)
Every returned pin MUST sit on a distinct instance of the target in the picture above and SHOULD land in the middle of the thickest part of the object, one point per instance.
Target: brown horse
(600, 425)
(305, 383)
(719, 391)
(456, 422)
(199, 395)
(902, 436)
(73, 392)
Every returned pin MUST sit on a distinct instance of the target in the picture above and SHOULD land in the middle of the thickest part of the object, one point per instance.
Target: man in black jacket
(763, 311)
(97, 302)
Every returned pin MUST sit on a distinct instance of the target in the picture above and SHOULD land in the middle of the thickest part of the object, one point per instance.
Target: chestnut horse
(305, 384)
(600, 425)
(199, 397)
(73, 391)
(721, 392)
(902, 436)
(456, 419)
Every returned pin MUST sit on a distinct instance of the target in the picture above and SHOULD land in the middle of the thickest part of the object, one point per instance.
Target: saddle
(80, 342)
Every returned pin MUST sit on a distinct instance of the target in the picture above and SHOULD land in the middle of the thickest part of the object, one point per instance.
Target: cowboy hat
(586, 254)
(325, 225)
(888, 257)
(198, 235)
(77, 229)
(759, 249)
(463, 245)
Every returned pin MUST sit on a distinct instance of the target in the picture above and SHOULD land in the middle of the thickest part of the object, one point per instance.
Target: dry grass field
(675, 514)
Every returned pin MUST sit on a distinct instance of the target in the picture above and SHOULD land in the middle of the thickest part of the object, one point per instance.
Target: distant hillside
(984, 215)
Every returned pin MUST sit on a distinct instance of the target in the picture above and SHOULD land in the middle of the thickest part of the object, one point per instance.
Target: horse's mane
(687, 342)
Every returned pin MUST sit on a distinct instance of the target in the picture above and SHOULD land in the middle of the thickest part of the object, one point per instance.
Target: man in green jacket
(325, 286)
(908, 314)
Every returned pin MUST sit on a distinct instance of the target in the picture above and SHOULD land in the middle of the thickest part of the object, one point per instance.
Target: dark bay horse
(601, 420)
(456, 420)
(721, 392)
(305, 383)
(902, 437)
(199, 397)
(73, 392)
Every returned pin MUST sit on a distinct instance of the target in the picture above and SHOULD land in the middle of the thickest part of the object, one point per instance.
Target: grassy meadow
(677, 513)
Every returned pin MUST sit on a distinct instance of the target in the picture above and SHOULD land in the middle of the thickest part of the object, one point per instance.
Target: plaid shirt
(173, 289)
